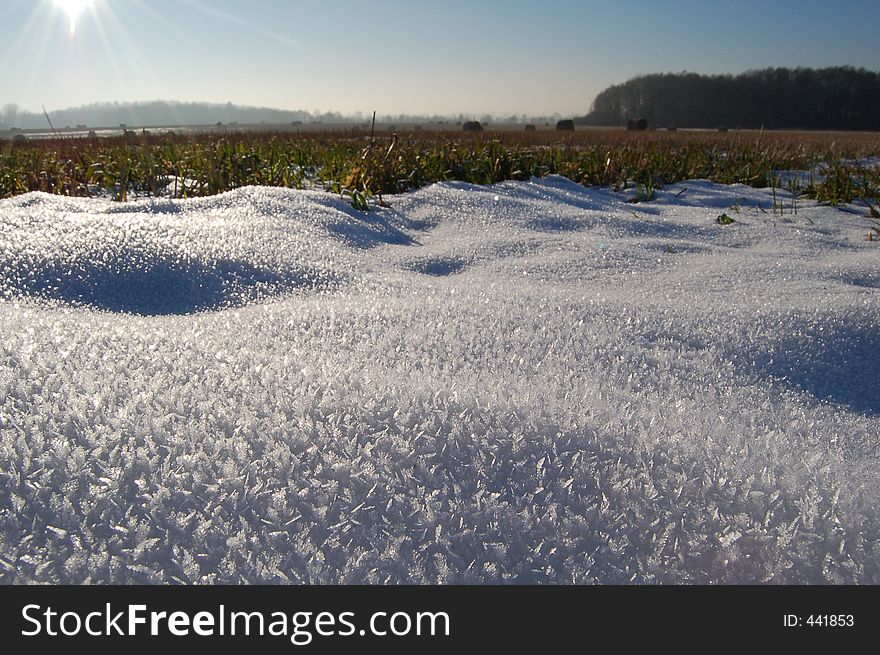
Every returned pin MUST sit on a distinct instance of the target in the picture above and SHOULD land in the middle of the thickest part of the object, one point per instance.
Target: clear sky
(407, 56)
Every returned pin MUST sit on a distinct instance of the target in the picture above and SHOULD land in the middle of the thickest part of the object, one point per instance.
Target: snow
(532, 382)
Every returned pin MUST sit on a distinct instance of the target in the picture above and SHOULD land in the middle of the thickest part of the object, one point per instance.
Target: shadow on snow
(159, 285)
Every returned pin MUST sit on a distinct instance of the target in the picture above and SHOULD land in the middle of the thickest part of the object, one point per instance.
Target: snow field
(523, 383)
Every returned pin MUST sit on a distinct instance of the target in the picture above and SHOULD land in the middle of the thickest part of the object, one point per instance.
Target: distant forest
(841, 98)
(163, 113)
(146, 114)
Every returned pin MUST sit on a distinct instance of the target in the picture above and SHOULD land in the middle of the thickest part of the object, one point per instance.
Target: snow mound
(531, 382)
(175, 257)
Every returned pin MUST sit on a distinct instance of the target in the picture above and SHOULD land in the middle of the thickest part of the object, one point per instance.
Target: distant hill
(165, 113)
(154, 113)
(841, 98)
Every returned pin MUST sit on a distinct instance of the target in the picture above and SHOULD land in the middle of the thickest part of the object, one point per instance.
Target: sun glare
(73, 8)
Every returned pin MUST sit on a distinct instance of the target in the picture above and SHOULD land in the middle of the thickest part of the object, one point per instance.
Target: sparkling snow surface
(529, 382)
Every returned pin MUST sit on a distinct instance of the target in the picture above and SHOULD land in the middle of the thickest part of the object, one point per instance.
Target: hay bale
(637, 124)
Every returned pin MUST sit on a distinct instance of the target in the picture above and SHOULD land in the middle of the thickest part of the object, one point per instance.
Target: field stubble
(360, 164)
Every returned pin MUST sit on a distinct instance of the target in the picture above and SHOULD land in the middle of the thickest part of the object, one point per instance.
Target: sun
(73, 8)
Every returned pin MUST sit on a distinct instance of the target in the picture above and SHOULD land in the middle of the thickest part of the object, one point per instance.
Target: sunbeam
(73, 8)
(234, 20)
(125, 58)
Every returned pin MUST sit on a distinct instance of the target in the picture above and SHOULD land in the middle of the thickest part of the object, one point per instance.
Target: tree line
(162, 113)
(150, 113)
(843, 98)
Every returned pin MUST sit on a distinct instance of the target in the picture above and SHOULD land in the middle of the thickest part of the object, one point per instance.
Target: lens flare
(73, 8)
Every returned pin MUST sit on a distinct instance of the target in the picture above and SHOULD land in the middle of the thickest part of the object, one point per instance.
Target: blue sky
(407, 56)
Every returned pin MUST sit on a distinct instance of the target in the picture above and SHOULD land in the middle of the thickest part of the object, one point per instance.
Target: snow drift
(523, 383)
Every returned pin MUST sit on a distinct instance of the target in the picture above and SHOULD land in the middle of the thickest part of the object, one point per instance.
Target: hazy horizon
(300, 112)
(488, 58)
